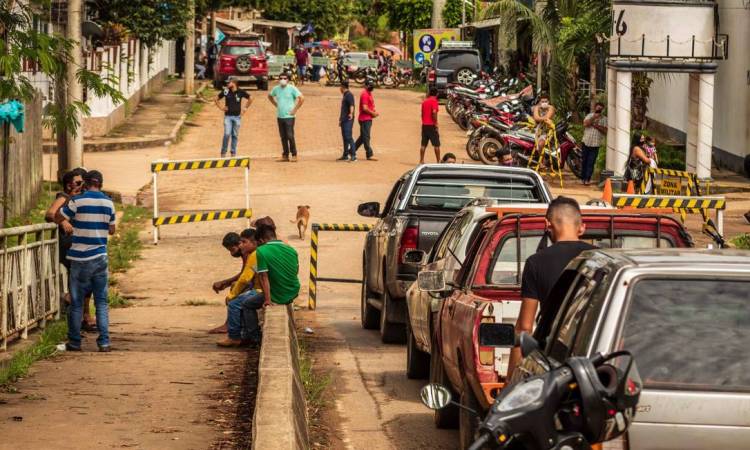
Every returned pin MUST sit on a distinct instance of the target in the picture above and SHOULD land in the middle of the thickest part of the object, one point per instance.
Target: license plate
(442, 80)
(244, 77)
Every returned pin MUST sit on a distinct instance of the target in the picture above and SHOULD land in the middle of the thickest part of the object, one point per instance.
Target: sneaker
(293, 158)
(72, 348)
(343, 158)
(229, 342)
(105, 349)
(283, 159)
(372, 158)
(223, 155)
(219, 330)
(353, 160)
(747, 217)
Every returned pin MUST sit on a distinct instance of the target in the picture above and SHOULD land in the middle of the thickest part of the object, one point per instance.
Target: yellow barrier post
(201, 216)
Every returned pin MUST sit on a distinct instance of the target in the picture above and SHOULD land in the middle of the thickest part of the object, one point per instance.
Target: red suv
(244, 59)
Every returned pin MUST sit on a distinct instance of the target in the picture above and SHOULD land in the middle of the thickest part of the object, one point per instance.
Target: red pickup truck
(244, 59)
(487, 290)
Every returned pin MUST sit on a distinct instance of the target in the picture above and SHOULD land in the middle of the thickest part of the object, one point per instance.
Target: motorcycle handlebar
(483, 439)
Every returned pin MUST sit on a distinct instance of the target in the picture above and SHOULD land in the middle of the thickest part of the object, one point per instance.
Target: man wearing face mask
(366, 114)
(542, 269)
(287, 99)
(594, 132)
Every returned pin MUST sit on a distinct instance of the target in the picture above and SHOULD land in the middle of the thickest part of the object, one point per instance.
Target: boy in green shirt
(277, 268)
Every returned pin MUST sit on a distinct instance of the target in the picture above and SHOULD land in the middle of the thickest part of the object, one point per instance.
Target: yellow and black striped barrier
(676, 202)
(197, 164)
(203, 217)
(314, 278)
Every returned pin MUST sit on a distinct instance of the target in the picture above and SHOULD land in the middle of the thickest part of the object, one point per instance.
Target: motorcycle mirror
(435, 396)
(528, 344)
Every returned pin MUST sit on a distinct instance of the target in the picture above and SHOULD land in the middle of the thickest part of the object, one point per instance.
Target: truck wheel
(369, 314)
(448, 416)
(468, 423)
(417, 361)
(263, 85)
(390, 333)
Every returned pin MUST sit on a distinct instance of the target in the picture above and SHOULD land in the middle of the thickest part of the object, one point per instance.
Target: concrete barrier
(280, 418)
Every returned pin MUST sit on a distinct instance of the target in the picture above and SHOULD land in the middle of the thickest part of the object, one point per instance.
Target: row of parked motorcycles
(386, 76)
(497, 114)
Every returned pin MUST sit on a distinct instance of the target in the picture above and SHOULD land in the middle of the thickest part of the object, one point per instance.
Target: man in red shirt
(366, 114)
(430, 125)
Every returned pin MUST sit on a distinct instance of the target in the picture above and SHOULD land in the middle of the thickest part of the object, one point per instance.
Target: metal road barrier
(199, 216)
(681, 204)
(30, 279)
(314, 278)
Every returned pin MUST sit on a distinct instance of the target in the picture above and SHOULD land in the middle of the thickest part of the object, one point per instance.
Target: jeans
(286, 131)
(589, 161)
(242, 315)
(231, 129)
(364, 137)
(346, 133)
(89, 277)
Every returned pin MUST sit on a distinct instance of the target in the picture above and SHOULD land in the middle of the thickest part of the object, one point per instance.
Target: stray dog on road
(303, 218)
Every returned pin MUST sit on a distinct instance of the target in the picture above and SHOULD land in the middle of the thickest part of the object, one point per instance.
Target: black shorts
(430, 134)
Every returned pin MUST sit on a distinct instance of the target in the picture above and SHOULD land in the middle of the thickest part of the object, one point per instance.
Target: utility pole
(463, 15)
(190, 50)
(75, 92)
(437, 13)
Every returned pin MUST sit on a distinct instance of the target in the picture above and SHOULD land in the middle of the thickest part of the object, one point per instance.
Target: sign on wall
(657, 30)
(427, 41)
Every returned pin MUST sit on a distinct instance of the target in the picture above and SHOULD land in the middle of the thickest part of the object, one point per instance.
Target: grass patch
(125, 246)
(742, 241)
(116, 300)
(195, 303)
(315, 384)
(195, 108)
(18, 366)
(36, 214)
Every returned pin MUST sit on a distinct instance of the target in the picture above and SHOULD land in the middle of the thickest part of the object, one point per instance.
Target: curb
(280, 417)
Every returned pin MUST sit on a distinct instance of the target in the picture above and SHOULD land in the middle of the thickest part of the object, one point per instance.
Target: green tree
(327, 16)
(452, 12)
(152, 21)
(409, 15)
(22, 43)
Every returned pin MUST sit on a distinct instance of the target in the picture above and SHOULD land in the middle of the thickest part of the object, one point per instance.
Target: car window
(575, 308)
(632, 242)
(461, 228)
(441, 246)
(392, 196)
(505, 269)
(455, 193)
(237, 50)
(457, 60)
(689, 334)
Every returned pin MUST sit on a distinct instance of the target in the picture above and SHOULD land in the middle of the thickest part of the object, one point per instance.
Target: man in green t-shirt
(277, 267)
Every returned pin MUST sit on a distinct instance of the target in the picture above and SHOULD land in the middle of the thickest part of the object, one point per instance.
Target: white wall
(668, 100)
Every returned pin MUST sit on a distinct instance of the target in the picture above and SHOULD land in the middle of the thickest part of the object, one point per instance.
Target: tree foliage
(23, 44)
(409, 15)
(152, 21)
(452, 12)
(327, 16)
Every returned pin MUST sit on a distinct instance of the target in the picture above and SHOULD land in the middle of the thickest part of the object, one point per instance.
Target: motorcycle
(575, 404)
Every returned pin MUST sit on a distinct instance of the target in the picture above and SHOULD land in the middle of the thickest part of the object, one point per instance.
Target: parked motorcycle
(573, 405)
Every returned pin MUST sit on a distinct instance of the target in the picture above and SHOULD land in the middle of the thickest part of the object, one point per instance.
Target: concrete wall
(280, 418)
(24, 165)
(668, 104)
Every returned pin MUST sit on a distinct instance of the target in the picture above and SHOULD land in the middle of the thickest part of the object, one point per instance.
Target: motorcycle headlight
(523, 395)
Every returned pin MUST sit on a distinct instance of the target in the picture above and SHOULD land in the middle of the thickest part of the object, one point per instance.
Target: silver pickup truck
(685, 317)
(419, 206)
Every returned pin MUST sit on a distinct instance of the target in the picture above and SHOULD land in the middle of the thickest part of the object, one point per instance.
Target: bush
(364, 43)
(742, 241)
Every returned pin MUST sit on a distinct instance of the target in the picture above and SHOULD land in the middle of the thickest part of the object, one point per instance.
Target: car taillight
(431, 75)
(226, 60)
(408, 242)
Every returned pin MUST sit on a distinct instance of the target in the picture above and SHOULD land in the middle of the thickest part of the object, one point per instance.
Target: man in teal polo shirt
(287, 99)
(277, 267)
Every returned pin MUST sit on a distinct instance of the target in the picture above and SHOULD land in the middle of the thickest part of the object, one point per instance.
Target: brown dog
(303, 218)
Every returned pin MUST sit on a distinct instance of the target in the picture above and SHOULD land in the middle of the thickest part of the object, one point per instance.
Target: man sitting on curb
(231, 242)
(277, 268)
(244, 293)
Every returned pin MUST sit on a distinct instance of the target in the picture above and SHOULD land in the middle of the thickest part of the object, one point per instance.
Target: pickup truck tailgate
(430, 229)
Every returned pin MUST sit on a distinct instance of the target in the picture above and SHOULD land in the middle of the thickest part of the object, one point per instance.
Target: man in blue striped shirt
(90, 217)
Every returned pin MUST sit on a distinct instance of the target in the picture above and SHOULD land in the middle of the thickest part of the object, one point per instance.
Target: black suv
(453, 65)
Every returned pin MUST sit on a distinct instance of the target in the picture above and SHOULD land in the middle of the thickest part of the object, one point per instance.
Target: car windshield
(508, 266)
(237, 50)
(690, 334)
(458, 60)
(455, 193)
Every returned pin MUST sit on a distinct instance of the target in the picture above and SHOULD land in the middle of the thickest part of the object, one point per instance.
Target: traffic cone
(631, 188)
(607, 194)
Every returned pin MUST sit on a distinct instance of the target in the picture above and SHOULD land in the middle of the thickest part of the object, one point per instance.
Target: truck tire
(448, 416)
(262, 85)
(369, 314)
(390, 333)
(417, 361)
(467, 422)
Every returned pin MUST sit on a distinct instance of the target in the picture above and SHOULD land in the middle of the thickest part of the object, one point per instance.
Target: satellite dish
(91, 29)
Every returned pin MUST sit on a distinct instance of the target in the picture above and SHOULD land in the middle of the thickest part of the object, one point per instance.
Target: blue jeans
(89, 277)
(231, 129)
(242, 318)
(346, 133)
(589, 161)
(364, 137)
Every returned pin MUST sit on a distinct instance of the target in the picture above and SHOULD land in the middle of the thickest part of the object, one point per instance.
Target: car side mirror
(435, 396)
(369, 209)
(528, 344)
(431, 281)
(415, 257)
(497, 335)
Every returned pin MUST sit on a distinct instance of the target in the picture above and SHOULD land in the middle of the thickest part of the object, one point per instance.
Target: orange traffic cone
(607, 194)
(631, 187)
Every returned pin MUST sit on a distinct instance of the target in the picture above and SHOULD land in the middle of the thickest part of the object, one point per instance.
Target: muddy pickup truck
(487, 290)
(419, 206)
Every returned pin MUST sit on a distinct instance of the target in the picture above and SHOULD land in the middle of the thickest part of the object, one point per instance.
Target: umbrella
(391, 48)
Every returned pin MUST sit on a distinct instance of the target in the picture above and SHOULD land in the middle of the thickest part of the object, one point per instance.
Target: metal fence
(30, 279)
